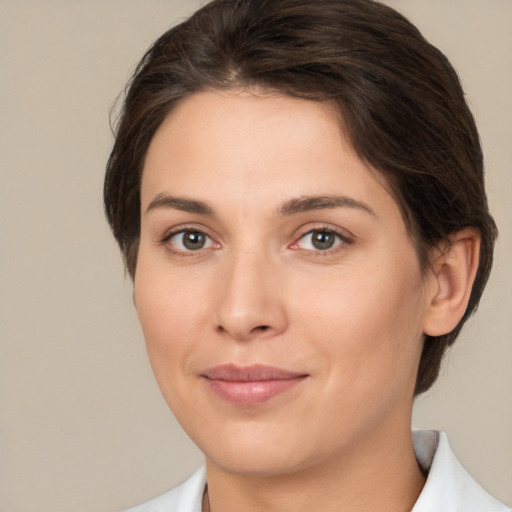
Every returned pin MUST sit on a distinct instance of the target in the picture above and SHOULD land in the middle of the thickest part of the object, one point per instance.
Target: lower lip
(254, 392)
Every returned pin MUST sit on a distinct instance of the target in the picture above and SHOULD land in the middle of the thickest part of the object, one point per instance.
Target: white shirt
(449, 488)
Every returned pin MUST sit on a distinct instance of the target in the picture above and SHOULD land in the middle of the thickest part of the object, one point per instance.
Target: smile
(250, 385)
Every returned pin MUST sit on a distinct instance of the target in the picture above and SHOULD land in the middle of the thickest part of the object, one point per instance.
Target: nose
(250, 302)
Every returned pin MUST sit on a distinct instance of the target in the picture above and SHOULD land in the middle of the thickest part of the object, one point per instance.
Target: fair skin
(267, 243)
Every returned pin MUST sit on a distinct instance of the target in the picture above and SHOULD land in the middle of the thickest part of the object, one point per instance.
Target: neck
(380, 474)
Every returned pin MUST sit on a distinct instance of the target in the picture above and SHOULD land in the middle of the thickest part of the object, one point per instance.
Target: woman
(297, 190)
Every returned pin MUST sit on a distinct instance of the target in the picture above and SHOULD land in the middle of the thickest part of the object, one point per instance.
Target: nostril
(261, 328)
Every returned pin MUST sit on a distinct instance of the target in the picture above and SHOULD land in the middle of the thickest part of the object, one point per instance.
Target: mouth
(250, 385)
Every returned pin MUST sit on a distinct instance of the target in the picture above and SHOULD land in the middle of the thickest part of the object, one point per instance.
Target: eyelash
(342, 240)
(183, 230)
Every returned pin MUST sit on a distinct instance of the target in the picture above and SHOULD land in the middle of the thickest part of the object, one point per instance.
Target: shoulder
(449, 487)
(185, 498)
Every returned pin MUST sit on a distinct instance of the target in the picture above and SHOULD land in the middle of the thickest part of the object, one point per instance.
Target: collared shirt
(449, 487)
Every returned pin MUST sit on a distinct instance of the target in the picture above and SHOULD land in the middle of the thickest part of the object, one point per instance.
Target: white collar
(449, 488)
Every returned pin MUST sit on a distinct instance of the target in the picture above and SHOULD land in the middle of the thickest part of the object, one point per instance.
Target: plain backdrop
(83, 427)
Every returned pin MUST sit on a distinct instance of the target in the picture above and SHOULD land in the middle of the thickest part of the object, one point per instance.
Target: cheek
(167, 298)
(367, 322)
(170, 312)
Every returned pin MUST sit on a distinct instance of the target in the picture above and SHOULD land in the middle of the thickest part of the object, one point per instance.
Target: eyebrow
(308, 203)
(292, 207)
(180, 203)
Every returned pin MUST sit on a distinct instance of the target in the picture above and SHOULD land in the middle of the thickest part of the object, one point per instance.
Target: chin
(256, 463)
(257, 452)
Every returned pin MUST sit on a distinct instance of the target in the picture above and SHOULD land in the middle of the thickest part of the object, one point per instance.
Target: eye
(319, 240)
(188, 240)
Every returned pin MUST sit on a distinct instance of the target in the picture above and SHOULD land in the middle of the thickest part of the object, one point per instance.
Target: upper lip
(252, 373)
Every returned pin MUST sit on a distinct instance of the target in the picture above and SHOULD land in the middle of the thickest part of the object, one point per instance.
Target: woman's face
(279, 293)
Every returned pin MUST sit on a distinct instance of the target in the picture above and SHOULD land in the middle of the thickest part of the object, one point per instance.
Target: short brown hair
(400, 101)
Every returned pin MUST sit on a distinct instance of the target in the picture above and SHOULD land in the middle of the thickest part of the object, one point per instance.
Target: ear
(451, 281)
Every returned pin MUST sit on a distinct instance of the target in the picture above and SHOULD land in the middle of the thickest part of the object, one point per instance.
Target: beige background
(82, 425)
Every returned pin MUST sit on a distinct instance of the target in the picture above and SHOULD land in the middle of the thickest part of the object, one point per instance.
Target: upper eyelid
(175, 230)
(343, 233)
(172, 234)
(311, 231)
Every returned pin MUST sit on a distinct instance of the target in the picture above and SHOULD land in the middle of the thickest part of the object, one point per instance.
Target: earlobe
(451, 282)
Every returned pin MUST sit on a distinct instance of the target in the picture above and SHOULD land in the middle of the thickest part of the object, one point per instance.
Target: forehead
(229, 123)
(259, 146)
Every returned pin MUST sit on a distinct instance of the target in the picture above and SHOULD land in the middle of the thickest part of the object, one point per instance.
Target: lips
(250, 385)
